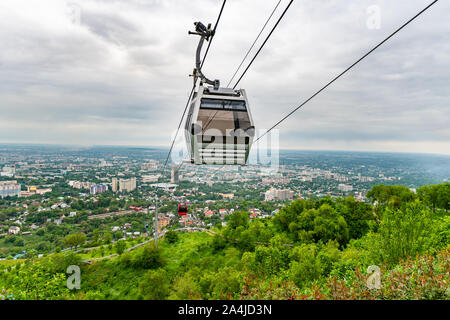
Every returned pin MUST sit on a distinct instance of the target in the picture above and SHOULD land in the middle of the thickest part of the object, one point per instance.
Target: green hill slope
(312, 249)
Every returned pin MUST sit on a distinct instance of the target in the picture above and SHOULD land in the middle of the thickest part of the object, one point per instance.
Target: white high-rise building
(127, 185)
(114, 184)
(174, 177)
(276, 194)
(8, 171)
(345, 187)
(9, 188)
(98, 189)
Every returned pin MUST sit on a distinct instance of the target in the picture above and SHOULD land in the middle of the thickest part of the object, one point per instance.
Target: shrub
(155, 285)
(171, 236)
(120, 246)
(306, 266)
(403, 233)
(149, 257)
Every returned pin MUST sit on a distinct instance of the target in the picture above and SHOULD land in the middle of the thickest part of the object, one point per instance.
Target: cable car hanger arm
(205, 33)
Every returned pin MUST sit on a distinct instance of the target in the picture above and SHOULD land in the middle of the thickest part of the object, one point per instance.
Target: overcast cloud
(119, 75)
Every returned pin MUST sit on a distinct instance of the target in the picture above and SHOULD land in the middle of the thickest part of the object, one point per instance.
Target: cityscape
(233, 158)
(46, 186)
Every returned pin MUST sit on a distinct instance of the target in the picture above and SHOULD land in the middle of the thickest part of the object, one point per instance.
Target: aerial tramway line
(219, 126)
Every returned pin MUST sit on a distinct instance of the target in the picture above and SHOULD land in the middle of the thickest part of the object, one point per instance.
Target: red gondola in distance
(182, 209)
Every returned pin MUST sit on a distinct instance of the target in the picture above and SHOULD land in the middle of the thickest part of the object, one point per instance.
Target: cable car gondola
(182, 209)
(219, 127)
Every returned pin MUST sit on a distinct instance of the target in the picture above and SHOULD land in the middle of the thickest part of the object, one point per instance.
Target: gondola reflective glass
(219, 127)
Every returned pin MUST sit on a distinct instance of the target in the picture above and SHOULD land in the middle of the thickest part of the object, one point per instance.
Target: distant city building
(359, 197)
(152, 165)
(9, 188)
(345, 187)
(278, 194)
(365, 179)
(150, 178)
(166, 186)
(187, 220)
(32, 190)
(14, 230)
(114, 184)
(81, 185)
(99, 189)
(174, 177)
(275, 180)
(8, 171)
(162, 222)
(74, 167)
(223, 212)
(104, 163)
(227, 195)
(209, 214)
(127, 185)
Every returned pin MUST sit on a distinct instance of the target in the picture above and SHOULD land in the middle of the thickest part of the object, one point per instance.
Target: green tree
(186, 286)
(120, 245)
(437, 196)
(171, 236)
(290, 213)
(227, 284)
(155, 285)
(266, 261)
(74, 240)
(403, 232)
(390, 195)
(107, 238)
(238, 219)
(323, 225)
(305, 266)
(357, 215)
(118, 235)
(150, 257)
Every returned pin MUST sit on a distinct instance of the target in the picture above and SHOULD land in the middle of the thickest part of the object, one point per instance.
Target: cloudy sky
(109, 72)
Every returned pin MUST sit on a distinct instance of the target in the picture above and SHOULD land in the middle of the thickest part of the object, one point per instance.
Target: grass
(11, 262)
(116, 282)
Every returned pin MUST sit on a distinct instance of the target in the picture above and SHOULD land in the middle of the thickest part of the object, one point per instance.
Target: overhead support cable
(263, 44)
(193, 87)
(214, 31)
(349, 68)
(254, 42)
(259, 50)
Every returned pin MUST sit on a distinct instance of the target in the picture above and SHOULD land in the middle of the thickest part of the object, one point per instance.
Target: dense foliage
(311, 249)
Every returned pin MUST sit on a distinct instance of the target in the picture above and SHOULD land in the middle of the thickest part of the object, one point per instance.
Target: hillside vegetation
(312, 249)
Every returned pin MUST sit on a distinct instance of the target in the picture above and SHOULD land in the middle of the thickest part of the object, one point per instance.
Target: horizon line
(167, 147)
